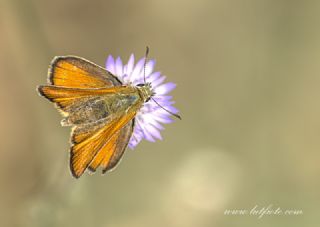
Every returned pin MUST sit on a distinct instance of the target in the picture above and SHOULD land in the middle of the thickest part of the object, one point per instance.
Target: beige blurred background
(248, 78)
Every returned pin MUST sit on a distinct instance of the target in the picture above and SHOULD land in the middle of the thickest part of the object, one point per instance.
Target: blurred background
(248, 92)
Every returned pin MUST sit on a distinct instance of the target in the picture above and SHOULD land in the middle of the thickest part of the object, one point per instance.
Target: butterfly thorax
(145, 91)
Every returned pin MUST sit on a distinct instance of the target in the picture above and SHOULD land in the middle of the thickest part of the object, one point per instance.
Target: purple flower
(149, 120)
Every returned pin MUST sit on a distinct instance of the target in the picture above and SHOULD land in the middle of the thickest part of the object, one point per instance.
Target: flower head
(149, 119)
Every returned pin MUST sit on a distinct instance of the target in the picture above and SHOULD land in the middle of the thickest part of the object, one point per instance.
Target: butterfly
(100, 109)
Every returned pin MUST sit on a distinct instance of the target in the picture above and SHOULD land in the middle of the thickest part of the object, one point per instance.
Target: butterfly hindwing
(87, 148)
(121, 145)
(110, 155)
(105, 153)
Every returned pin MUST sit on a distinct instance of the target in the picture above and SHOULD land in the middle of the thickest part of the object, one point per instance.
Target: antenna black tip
(178, 116)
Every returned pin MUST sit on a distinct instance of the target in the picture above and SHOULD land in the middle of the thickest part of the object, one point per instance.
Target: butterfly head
(145, 91)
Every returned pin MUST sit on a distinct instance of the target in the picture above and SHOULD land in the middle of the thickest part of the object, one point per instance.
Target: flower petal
(148, 119)
(153, 131)
(172, 109)
(130, 65)
(110, 65)
(155, 123)
(134, 141)
(147, 134)
(149, 67)
(165, 88)
(163, 119)
(162, 102)
(153, 76)
(119, 67)
(158, 81)
(162, 98)
(136, 73)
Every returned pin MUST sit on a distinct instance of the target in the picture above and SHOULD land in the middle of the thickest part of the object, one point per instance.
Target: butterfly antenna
(173, 114)
(144, 77)
(145, 64)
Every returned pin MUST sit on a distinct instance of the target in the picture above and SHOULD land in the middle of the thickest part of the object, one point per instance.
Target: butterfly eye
(148, 99)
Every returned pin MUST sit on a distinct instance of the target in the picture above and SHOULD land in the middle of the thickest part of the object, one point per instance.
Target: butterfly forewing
(75, 72)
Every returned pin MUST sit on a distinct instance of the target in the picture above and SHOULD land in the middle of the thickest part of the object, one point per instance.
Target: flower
(149, 119)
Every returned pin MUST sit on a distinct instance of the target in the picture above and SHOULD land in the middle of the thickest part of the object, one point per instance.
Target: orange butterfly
(98, 107)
